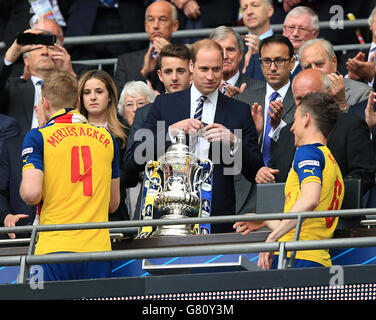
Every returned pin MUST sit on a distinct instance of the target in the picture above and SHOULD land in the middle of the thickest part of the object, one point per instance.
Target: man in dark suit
(160, 22)
(178, 110)
(256, 17)
(19, 95)
(349, 141)
(175, 75)
(235, 84)
(51, 26)
(277, 62)
(13, 210)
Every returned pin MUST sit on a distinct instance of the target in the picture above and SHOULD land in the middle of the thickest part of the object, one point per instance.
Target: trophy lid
(180, 144)
(179, 149)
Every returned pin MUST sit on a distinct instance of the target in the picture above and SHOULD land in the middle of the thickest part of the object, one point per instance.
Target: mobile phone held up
(32, 38)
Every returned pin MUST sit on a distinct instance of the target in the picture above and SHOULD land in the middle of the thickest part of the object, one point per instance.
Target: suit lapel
(220, 110)
(184, 100)
(28, 92)
(288, 103)
(259, 96)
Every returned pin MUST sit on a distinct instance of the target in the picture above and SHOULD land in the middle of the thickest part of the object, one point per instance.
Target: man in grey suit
(277, 61)
(319, 54)
(234, 82)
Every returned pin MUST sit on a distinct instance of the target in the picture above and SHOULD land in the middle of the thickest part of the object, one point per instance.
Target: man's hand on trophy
(190, 126)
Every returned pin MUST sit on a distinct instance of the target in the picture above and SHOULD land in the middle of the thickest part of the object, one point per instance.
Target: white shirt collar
(373, 45)
(35, 79)
(195, 95)
(282, 91)
(268, 33)
(233, 79)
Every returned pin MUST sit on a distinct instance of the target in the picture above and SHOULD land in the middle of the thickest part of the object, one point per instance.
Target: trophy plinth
(179, 194)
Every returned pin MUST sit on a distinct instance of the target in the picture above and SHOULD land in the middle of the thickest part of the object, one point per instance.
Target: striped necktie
(266, 149)
(224, 87)
(109, 3)
(200, 106)
(193, 140)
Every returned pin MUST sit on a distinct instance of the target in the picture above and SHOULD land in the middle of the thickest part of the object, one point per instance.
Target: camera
(32, 38)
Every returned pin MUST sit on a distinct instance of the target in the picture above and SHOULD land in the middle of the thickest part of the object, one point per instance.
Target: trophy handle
(148, 166)
(200, 181)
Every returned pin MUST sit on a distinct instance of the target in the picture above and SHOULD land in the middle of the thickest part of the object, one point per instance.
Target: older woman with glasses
(134, 95)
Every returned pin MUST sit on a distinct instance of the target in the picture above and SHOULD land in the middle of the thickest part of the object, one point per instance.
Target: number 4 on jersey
(86, 177)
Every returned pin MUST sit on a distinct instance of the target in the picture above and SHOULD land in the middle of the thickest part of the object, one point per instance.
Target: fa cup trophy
(183, 173)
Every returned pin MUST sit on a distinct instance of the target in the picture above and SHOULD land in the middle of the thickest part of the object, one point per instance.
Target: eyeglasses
(266, 62)
(291, 28)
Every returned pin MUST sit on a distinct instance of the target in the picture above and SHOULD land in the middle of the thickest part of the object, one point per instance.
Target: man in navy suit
(161, 21)
(256, 17)
(19, 95)
(215, 128)
(13, 210)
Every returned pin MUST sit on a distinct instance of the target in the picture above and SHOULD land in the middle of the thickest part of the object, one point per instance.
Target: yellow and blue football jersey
(315, 163)
(78, 161)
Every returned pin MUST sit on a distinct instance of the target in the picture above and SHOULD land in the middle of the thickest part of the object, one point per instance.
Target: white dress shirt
(371, 51)
(37, 96)
(274, 133)
(232, 81)
(208, 113)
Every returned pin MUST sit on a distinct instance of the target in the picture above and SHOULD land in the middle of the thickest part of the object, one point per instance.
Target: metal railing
(181, 34)
(25, 261)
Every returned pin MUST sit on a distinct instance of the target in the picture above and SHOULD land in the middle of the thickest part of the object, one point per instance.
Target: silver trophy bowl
(178, 196)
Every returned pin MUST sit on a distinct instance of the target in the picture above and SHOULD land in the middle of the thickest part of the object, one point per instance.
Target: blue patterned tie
(198, 112)
(109, 3)
(266, 150)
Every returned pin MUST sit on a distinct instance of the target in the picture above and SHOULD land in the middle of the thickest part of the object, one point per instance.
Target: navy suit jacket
(175, 107)
(10, 174)
(16, 98)
(254, 68)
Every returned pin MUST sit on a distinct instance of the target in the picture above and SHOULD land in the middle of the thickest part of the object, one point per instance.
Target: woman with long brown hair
(99, 103)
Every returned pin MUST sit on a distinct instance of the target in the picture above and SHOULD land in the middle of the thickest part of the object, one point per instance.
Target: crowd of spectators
(147, 72)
